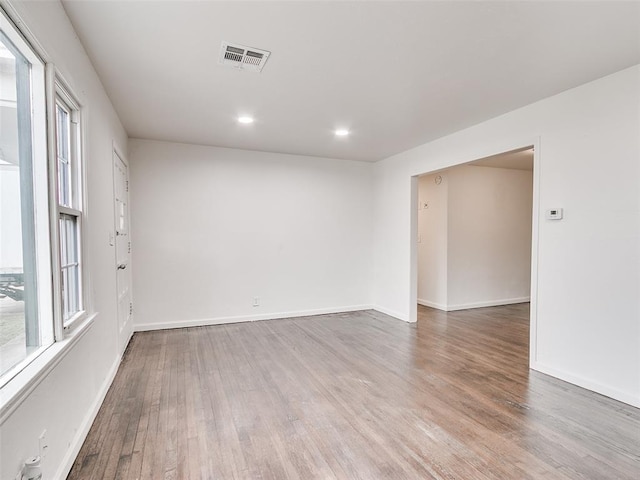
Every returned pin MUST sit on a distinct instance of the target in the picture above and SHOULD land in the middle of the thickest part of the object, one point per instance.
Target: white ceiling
(398, 74)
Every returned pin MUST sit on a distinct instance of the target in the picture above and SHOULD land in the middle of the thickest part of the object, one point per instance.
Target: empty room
(319, 239)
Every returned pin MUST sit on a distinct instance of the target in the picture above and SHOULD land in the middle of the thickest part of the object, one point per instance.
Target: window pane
(70, 268)
(19, 329)
(73, 290)
(62, 146)
(63, 132)
(63, 242)
(72, 249)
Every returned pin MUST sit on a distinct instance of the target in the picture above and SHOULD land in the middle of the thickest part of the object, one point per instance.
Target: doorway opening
(475, 242)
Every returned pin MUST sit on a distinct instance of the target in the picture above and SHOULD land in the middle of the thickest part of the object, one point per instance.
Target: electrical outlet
(44, 444)
(32, 469)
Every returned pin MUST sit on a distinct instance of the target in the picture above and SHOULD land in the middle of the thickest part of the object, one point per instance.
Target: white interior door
(123, 250)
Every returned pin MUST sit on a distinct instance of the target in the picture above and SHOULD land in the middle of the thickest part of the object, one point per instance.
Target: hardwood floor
(354, 396)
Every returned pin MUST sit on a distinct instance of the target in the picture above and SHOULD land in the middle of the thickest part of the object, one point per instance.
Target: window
(41, 205)
(69, 205)
(26, 317)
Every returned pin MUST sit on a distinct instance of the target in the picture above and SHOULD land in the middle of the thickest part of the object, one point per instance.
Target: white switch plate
(44, 444)
(554, 214)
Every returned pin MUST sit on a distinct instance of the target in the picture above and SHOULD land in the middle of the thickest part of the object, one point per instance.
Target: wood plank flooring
(353, 396)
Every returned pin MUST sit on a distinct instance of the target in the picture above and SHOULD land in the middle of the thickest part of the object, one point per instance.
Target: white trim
(535, 246)
(143, 327)
(72, 212)
(12, 14)
(607, 391)
(487, 303)
(391, 313)
(467, 306)
(85, 426)
(52, 136)
(126, 344)
(73, 321)
(120, 152)
(20, 387)
(428, 303)
(413, 250)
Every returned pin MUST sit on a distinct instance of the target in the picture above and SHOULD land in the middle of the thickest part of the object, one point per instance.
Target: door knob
(122, 266)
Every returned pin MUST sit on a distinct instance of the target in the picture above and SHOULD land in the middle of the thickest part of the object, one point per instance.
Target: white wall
(212, 228)
(586, 326)
(64, 402)
(489, 258)
(433, 231)
(474, 246)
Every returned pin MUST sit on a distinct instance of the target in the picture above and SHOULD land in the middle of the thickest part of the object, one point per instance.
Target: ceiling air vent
(243, 58)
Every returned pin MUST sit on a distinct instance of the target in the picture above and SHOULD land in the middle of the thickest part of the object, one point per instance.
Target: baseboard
(591, 385)
(127, 344)
(83, 431)
(427, 303)
(143, 327)
(391, 313)
(487, 303)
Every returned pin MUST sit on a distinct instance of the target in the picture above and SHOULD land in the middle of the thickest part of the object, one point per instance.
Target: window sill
(78, 320)
(16, 390)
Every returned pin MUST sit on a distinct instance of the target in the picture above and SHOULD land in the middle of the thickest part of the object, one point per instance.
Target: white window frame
(60, 94)
(41, 214)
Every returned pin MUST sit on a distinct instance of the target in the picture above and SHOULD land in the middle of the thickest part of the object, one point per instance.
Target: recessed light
(245, 119)
(341, 132)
